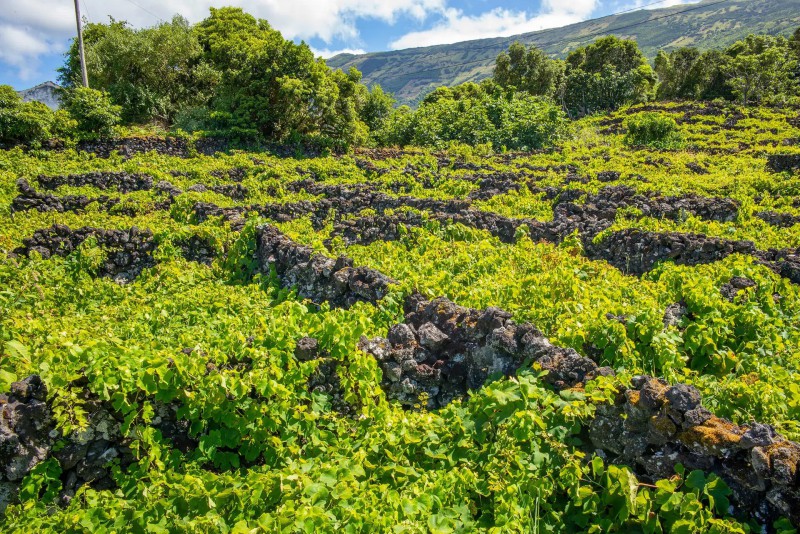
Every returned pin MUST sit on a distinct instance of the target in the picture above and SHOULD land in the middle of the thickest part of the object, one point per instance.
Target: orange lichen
(713, 437)
(785, 453)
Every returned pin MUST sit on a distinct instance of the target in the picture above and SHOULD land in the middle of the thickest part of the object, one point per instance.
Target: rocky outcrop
(737, 284)
(654, 426)
(636, 251)
(235, 191)
(367, 230)
(288, 211)
(781, 220)
(315, 276)
(25, 424)
(491, 185)
(235, 174)
(127, 252)
(611, 198)
(442, 351)
(197, 249)
(167, 146)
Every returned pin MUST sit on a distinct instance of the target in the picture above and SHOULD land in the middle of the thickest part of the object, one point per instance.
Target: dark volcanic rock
(307, 349)
(783, 162)
(781, 220)
(636, 251)
(128, 252)
(735, 286)
(653, 427)
(674, 314)
(167, 146)
(197, 249)
(443, 350)
(30, 199)
(317, 277)
(124, 182)
(28, 436)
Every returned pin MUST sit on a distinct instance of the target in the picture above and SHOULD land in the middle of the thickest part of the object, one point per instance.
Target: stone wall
(315, 276)
(442, 351)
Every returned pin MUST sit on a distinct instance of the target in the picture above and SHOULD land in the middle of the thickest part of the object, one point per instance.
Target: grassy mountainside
(411, 73)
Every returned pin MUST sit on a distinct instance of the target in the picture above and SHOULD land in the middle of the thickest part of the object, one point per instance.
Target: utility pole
(84, 74)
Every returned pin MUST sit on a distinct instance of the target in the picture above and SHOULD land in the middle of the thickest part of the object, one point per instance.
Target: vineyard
(598, 337)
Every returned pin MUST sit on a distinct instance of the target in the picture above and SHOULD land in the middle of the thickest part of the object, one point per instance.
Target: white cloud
(20, 48)
(498, 22)
(326, 53)
(45, 26)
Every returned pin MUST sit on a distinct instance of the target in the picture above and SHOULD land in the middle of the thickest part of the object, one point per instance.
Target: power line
(587, 36)
(145, 10)
(85, 5)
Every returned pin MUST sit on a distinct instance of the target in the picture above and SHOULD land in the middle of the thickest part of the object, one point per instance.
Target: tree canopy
(152, 73)
(605, 75)
(231, 73)
(529, 70)
(752, 71)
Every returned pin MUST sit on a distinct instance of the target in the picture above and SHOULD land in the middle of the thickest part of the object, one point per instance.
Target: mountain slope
(46, 93)
(413, 72)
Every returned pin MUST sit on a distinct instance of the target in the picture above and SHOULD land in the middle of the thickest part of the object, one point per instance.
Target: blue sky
(34, 35)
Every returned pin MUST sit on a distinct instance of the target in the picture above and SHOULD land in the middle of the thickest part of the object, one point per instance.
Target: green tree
(153, 73)
(761, 67)
(794, 42)
(605, 75)
(9, 98)
(275, 88)
(677, 76)
(794, 47)
(528, 70)
(709, 75)
(397, 129)
(374, 107)
(30, 123)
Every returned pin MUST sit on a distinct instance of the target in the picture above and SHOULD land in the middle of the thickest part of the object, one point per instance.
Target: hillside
(411, 73)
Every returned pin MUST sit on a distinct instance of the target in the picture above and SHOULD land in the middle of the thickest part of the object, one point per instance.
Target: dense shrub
(529, 123)
(478, 114)
(30, 123)
(529, 70)
(654, 130)
(93, 111)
